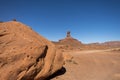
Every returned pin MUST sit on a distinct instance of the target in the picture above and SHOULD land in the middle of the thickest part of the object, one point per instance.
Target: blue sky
(88, 20)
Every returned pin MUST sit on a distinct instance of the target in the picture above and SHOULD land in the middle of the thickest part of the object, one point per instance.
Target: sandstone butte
(26, 55)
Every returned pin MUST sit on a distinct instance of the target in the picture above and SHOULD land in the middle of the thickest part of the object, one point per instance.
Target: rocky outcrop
(25, 55)
(69, 43)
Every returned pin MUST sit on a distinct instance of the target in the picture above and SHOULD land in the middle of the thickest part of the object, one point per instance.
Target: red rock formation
(25, 55)
(69, 42)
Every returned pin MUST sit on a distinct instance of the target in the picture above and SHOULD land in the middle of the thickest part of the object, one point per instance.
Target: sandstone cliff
(26, 55)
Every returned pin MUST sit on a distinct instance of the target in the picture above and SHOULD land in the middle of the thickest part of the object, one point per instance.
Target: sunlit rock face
(26, 55)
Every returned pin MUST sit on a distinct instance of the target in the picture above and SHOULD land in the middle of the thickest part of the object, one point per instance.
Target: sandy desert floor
(92, 65)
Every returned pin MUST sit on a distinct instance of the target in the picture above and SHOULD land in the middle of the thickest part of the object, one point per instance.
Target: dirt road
(92, 65)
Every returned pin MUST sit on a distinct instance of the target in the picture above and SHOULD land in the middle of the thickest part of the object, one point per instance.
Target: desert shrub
(1, 21)
(74, 62)
(67, 46)
(14, 20)
(69, 60)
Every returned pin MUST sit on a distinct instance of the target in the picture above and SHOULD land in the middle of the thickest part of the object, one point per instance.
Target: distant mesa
(112, 43)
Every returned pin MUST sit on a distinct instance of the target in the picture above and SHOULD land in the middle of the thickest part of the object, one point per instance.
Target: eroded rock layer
(25, 55)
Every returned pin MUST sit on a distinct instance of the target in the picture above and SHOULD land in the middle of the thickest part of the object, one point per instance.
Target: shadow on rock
(58, 73)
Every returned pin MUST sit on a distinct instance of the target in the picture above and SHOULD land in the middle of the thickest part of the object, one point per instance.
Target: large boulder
(26, 55)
